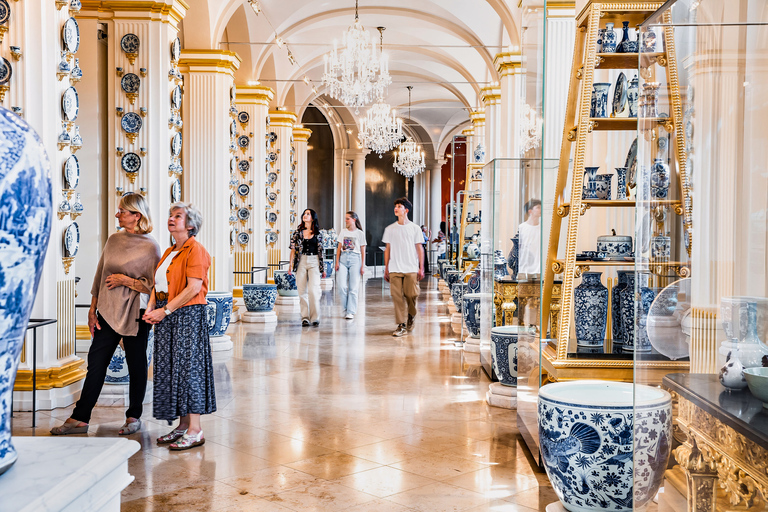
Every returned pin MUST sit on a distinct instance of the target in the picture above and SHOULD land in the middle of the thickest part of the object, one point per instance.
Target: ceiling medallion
(380, 130)
(409, 160)
(359, 73)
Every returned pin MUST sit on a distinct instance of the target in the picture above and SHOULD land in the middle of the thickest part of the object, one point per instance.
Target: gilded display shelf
(579, 128)
(472, 196)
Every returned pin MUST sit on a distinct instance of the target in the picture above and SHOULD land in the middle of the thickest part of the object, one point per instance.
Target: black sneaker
(410, 325)
(400, 331)
(305, 323)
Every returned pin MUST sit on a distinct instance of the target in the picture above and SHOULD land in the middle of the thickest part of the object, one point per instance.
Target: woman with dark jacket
(307, 263)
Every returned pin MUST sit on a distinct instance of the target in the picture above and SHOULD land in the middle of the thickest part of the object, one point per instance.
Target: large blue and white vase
(457, 294)
(219, 312)
(628, 310)
(627, 45)
(452, 277)
(499, 265)
(117, 371)
(470, 312)
(474, 283)
(504, 353)
(286, 284)
(590, 310)
(599, 107)
(605, 445)
(259, 297)
(617, 329)
(513, 256)
(25, 228)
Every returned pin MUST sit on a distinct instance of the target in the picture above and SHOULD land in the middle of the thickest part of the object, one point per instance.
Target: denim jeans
(348, 279)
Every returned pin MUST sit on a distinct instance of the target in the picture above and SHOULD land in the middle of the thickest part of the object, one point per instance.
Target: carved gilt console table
(724, 438)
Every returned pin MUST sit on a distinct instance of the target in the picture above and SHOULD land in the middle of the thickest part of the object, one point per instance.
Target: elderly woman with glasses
(183, 371)
(120, 294)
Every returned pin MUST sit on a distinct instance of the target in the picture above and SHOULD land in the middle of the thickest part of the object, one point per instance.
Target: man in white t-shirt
(403, 265)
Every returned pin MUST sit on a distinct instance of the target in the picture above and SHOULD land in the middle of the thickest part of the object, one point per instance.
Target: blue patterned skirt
(183, 369)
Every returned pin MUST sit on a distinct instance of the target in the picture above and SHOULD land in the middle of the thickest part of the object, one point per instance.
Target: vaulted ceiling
(443, 48)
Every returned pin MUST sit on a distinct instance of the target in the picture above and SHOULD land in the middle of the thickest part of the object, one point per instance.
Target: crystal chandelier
(409, 160)
(359, 73)
(380, 130)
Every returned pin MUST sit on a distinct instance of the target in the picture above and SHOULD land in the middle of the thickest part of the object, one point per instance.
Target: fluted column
(509, 67)
(358, 183)
(209, 78)
(491, 97)
(282, 123)
(300, 141)
(469, 134)
(249, 169)
(478, 125)
(341, 187)
(436, 196)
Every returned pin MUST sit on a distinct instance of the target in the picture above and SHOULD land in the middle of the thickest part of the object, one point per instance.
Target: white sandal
(129, 427)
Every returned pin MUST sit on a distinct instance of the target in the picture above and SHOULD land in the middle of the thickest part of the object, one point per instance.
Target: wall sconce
(119, 111)
(120, 71)
(143, 111)
(143, 151)
(143, 72)
(119, 191)
(120, 150)
(16, 52)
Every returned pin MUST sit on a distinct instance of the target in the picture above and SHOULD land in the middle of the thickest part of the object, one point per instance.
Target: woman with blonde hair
(183, 371)
(120, 294)
(350, 263)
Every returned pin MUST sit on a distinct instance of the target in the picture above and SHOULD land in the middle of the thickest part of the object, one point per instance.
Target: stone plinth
(499, 395)
(67, 474)
(221, 343)
(472, 345)
(326, 284)
(287, 305)
(117, 395)
(259, 317)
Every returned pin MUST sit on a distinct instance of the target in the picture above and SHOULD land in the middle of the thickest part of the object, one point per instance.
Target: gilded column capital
(167, 11)
(477, 117)
(282, 118)
(565, 9)
(211, 61)
(254, 94)
(508, 63)
(468, 132)
(490, 94)
(301, 134)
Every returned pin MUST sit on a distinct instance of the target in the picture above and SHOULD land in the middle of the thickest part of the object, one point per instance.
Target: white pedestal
(259, 317)
(456, 323)
(48, 399)
(117, 395)
(67, 474)
(499, 395)
(287, 305)
(326, 284)
(472, 345)
(220, 343)
(235, 316)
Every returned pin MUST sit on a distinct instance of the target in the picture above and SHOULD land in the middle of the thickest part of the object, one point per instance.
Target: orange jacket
(191, 261)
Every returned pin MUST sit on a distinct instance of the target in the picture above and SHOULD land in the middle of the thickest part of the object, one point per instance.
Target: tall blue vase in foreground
(25, 228)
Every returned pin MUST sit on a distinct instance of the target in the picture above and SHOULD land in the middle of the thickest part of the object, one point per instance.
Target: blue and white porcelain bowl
(470, 312)
(452, 277)
(259, 297)
(457, 293)
(504, 353)
(219, 312)
(117, 371)
(446, 268)
(605, 445)
(286, 284)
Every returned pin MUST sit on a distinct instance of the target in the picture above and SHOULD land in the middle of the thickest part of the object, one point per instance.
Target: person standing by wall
(403, 265)
(307, 263)
(350, 255)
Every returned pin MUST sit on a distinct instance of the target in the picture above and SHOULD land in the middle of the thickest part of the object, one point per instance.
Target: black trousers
(105, 341)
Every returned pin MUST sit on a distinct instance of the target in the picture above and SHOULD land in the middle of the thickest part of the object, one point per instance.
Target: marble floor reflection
(340, 417)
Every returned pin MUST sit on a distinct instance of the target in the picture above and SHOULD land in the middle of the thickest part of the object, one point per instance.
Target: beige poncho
(135, 256)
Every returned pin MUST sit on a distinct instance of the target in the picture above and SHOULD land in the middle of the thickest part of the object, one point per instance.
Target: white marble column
(358, 183)
(282, 123)
(301, 137)
(469, 134)
(478, 125)
(491, 97)
(208, 79)
(342, 184)
(436, 197)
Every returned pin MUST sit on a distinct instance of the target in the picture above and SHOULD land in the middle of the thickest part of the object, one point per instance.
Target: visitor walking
(119, 296)
(350, 266)
(403, 265)
(307, 263)
(183, 370)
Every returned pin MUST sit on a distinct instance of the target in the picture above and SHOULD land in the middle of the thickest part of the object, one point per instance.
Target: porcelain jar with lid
(615, 245)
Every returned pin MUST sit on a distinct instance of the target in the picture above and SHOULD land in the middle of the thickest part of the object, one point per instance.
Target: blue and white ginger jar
(591, 309)
(259, 297)
(219, 310)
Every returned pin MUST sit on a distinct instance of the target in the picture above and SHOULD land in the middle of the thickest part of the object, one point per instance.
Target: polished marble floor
(340, 417)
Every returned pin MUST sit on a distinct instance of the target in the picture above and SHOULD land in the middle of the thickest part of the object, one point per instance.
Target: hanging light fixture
(409, 160)
(381, 130)
(359, 73)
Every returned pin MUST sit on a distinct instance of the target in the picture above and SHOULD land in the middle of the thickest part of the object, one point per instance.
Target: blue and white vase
(600, 36)
(600, 99)
(26, 212)
(621, 183)
(590, 186)
(117, 371)
(627, 45)
(616, 323)
(605, 445)
(609, 39)
(452, 277)
(457, 294)
(504, 353)
(642, 343)
(512, 257)
(603, 186)
(219, 312)
(473, 283)
(590, 309)
(661, 247)
(286, 283)
(499, 265)
(633, 92)
(660, 179)
(628, 310)
(470, 312)
(259, 297)
(479, 153)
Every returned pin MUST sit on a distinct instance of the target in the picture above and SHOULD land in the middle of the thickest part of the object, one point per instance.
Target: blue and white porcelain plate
(272, 156)
(244, 165)
(70, 104)
(631, 164)
(243, 117)
(271, 217)
(72, 240)
(131, 162)
(271, 197)
(131, 122)
(271, 237)
(271, 177)
(243, 141)
(72, 171)
(176, 97)
(176, 191)
(5, 11)
(233, 129)
(175, 50)
(176, 144)
(6, 71)
(70, 35)
(243, 189)
(243, 213)
(620, 94)
(243, 238)
(272, 137)
(130, 83)
(130, 43)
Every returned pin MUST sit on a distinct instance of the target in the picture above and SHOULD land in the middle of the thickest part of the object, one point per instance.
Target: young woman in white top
(350, 255)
